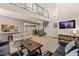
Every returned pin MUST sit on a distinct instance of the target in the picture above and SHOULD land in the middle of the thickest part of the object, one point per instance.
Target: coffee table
(31, 47)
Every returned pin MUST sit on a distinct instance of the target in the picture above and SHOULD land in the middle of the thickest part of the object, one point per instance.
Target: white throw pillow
(69, 46)
(73, 53)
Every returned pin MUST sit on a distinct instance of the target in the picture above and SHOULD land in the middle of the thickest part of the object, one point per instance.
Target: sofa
(4, 48)
(62, 44)
(60, 50)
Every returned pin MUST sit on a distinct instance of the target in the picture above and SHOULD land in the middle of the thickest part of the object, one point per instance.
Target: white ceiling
(64, 10)
(67, 10)
(47, 5)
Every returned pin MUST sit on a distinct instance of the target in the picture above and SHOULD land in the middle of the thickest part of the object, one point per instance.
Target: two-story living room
(39, 29)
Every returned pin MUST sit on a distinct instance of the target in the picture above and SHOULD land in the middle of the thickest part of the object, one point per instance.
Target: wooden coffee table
(31, 47)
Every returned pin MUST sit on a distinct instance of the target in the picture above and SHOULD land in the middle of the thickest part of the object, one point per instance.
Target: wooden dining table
(31, 47)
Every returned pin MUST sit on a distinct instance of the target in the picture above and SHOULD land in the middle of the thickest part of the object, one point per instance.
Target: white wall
(5, 20)
(68, 11)
(50, 30)
(65, 31)
(70, 31)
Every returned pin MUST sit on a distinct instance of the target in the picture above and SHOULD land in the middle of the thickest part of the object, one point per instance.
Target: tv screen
(67, 24)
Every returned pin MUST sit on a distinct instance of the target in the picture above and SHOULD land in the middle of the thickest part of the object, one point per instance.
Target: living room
(38, 33)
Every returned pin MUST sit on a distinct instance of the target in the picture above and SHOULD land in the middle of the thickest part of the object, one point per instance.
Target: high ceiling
(68, 10)
(47, 5)
(64, 10)
(56, 11)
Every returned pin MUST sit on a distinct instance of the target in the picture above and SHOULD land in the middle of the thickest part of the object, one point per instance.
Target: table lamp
(74, 32)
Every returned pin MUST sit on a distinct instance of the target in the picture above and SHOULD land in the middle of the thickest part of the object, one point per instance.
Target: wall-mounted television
(67, 24)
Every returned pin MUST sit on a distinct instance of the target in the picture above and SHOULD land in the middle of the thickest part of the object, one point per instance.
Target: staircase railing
(33, 7)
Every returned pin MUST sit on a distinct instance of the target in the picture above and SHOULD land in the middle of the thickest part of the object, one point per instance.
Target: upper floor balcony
(33, 7)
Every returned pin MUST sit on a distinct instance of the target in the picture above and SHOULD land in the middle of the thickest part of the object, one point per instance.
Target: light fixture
(74, 32)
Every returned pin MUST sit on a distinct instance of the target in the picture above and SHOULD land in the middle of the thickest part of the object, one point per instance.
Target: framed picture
(55, 25)
(6, 28)
(9, 28)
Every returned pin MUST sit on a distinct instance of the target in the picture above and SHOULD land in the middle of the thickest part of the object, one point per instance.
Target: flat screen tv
(67, 24)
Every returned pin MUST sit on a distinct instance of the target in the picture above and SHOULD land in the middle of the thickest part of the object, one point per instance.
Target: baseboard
(53, 37)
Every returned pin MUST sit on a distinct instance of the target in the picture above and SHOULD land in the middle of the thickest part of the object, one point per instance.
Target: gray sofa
(61, 41)
(60, 50)
(4, 48)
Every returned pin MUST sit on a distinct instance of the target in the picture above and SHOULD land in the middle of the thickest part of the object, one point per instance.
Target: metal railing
(33, 7)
